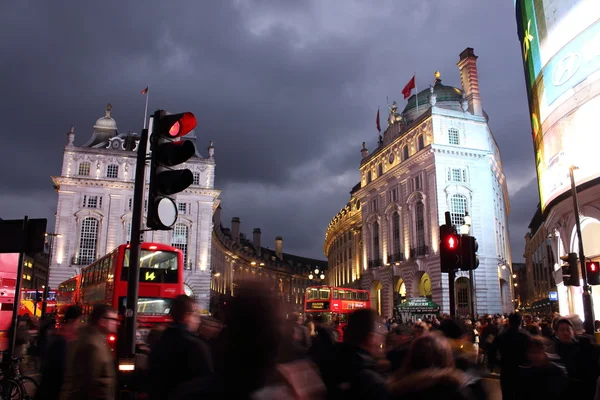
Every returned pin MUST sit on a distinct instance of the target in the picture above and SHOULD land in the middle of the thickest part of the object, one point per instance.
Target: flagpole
(416, 93)
(146, 108)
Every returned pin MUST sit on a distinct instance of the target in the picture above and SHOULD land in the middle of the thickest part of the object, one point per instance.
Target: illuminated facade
(95, 203)
(437, 155)
(343, 245)
(559, 41)
(235, 258)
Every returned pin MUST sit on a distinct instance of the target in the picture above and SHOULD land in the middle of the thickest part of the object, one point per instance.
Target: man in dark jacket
(512, 344)
(179, 356)
(355, 374)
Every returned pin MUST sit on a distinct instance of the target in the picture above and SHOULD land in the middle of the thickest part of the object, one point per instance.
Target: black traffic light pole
(135, 246)
(588, 308)
(451, 275)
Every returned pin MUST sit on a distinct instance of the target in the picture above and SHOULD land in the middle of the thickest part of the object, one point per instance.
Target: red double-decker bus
(334, 303)
(161, 280)
(68, 293)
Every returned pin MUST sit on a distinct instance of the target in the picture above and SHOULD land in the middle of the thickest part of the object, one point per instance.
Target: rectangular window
(112, 171)
(130, 204)
(453, 137)
(84, 169)
(418, 182)
(92, 201)
(373, 205)
(196, 178)
(393, 195)
(405, 153)
(456, 175)
(182, 208)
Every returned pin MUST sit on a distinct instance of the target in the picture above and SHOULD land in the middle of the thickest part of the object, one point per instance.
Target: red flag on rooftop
(408, 88)
(377, 121)
(145, 90)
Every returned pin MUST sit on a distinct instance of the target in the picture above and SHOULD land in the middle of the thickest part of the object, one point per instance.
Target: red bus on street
(31, 302)
(68, 293)
(161, 280)
(334, 303)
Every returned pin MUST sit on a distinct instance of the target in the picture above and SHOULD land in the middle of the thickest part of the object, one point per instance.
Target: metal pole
(588, 308)
(135, 246)
(15, 314)
(472, 288)
(46, 288)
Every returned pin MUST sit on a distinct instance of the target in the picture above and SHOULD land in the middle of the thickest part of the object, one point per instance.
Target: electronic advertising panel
(560, 43)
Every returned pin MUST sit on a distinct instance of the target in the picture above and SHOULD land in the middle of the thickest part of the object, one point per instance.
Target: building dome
(106, 123)
(443, 94)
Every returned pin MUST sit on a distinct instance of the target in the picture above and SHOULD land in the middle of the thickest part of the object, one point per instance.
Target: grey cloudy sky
(287, 90)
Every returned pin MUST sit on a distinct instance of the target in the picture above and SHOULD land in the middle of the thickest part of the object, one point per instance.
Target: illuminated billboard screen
(560, 43)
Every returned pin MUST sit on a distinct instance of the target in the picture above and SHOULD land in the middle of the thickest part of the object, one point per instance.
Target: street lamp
(50, 239)
(315, 274)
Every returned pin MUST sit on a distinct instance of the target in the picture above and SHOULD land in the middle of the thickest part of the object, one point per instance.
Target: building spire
(108, 108)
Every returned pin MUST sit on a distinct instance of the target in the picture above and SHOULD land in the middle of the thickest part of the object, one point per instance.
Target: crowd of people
(258, 352)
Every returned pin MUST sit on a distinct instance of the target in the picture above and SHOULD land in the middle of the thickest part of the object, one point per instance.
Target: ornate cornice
(124, 185)
(458, 151)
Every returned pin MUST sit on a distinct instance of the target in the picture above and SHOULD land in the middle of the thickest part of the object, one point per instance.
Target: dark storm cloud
(287, 90)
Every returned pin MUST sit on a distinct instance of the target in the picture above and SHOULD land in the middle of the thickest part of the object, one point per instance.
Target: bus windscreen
(155, 266)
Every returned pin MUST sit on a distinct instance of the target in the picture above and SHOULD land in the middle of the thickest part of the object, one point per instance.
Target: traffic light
(168, 151)
(593, 272)
(570, 270)
(469, 247)
(449, 249)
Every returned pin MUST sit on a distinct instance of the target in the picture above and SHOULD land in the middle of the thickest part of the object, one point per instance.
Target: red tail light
(112, 338)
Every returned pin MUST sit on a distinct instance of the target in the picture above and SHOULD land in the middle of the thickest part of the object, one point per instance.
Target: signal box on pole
(449, 249)
(168, 151)
(570, 270)
(593, 272)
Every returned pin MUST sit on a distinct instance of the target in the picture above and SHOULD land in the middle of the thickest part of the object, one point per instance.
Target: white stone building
(95, 203)
(438, 155)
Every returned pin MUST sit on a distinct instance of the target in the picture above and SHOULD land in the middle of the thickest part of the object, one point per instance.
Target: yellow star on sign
(527, 39)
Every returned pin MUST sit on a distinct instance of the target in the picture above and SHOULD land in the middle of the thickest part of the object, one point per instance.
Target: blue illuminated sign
(572, 64)
(553, 295)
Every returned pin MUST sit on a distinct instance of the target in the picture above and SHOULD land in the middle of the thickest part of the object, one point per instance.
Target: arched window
(180, 240)
(420, 142)
(458, 209)
(84, 169)
(405, 153)
(396, 236)
(112, 171)
(88, 241)
(420, 227)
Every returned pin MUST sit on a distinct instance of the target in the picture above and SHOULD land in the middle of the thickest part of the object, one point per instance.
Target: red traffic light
(451, 242)
(175, 125)
(593, 267)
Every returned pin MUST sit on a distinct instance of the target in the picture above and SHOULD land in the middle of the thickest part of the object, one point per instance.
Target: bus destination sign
(318, 305)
